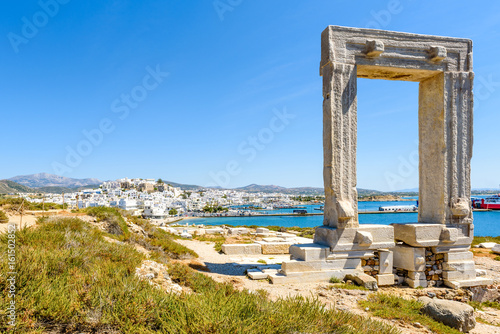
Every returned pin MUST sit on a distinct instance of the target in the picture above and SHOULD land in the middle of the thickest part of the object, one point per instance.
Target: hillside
(10, 187)
(50, 180)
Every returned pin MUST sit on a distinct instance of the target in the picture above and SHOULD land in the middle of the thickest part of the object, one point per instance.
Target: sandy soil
(231, 269)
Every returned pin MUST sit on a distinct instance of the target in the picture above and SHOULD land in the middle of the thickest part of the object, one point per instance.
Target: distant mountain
(412, 190)
(298, 190)
(50, 180)
(10, 187)
(184, 186)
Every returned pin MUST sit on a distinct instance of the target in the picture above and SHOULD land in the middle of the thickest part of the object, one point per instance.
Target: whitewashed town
(156, 199)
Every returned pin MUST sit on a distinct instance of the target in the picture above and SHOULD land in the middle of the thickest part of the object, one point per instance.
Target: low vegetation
(115, 223)
(160, 243)
(3, 218)
(397, 308)
(70, 279)
(483, 305)
(14, 204)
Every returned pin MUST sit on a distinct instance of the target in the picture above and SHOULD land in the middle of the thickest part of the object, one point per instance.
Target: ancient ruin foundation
(434, 250)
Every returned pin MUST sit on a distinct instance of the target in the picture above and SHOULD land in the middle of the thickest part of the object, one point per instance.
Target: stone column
(445, 134)
(339, 144)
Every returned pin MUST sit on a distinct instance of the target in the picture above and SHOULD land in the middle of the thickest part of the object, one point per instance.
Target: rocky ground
(231, 269)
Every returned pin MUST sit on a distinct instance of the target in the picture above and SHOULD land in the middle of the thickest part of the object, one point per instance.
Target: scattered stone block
(238, 231)
(488, 245)
(262, 231)
(216, 230)
(245, 249)
(256, 274)
(496, 249)
(451, 313)
(309, 252)
(385, 279)
(363, 280)
(275, 247)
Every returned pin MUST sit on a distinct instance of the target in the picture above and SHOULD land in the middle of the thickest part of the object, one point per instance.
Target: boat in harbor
(398, 208)
(488, 203)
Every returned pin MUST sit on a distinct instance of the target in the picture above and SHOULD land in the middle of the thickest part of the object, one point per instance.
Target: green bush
(14, 203)
(160, 242)
(116, 224)
(392, 307)
(3, 218)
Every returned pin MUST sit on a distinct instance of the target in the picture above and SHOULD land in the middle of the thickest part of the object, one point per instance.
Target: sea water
(485, 223)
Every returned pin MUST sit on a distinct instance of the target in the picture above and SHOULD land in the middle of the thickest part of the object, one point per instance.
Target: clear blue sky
(231, 70)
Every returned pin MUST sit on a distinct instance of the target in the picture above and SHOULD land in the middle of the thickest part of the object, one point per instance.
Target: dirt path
(231, 269)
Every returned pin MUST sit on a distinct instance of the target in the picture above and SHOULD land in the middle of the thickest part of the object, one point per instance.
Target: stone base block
(311, 276)
(303, 266)
(385, 279)
(386, 259)
(431, 235)
(459, 266)
(409, 258)
(467, 283)
(241, 249)
(365, 237)
(275, 247)
(309, 252)
(417, 275)
(416, 283)
(459, 275)
(458, 256)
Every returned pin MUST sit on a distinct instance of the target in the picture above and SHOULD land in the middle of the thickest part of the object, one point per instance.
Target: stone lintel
(395, 49)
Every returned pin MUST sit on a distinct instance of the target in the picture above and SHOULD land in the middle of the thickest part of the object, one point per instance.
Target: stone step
(467, 283)
(256, 274)
(311, 276)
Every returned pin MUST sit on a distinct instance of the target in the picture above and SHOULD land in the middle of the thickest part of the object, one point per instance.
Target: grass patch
(71, 280)
(116, 225)
(481, 306)
(334, 279)
(348, 286)
(161, 244)
(14, 203)
(261, 261)
(392, 307)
